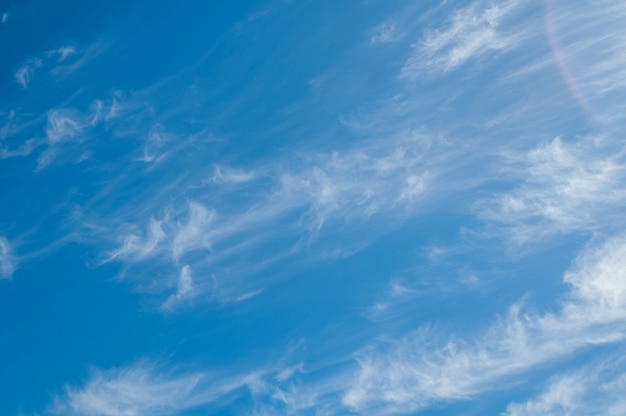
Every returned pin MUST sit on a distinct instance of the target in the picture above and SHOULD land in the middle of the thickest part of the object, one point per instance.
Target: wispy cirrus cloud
(564, 187)
(65, 127)
(416, 373)
(594, 389)
(473, 31)
(63, 52)
(23, 150)
(8, 262)
(146, 388)
(228, 175)
(184, 290)
(386, 32)
(135, 246)
(59, 61)
(374, 181)
(26, 72)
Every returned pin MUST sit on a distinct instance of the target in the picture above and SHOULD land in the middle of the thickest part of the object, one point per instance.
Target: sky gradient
(297, 207)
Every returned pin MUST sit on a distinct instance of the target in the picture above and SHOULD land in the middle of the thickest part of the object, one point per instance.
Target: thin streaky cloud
(386, 33)
(473, 31)
(414, 373)
(144, 388)
(184, 290)
(347, 187)
(85, 56)
(8, 261)
(227, 175)
(594, 389)
(63, 52)
(26, 72)
(66, 127)
(24, 149)
(136, 248)
(564, 187)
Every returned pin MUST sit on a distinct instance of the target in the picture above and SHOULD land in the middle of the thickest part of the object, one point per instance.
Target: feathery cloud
(415, 373)
(66, 126)
(473, 31)
(227, 175)
(144, 388)
(184, 290)
(63, 52)
(564, 187)
(26, 72)
(594, 389)
(385, 33)
(7, 259)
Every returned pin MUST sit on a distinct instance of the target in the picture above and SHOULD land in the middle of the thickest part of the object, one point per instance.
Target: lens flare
(559, 58)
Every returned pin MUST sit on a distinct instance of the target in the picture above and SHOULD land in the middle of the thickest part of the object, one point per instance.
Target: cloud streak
(473, 31)
(594, 389)
(26, 72)
(8, 262)
(65, 128)
(414, 373)
(144, 388)
(379, 182)
(564, 187)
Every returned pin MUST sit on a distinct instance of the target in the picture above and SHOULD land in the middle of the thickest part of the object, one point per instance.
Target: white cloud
(193, 234)
(184, 289)
(416, 373)
(65, 126)
(25, 73)
(24, 150)
(580, 186)
(63, 52)
(473, 31)
(595, 389)
(355, 185)
(158, 138)
(145, 389)
(7, 259)
(226, 175)
(86, 55)
(167, 234)
(386, 33)
(362, 182)
(136, 248)
(562, 397)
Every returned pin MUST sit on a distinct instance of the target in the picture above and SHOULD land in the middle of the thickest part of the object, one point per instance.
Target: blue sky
(300, 207)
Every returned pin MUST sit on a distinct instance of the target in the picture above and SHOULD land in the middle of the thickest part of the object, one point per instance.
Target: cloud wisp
(594, 389)
(564, 187)
(26, 72)
(414, 373)
(8, 262)
(473, 31)
(383, 183)
(146, 388)
(411, 375)
(65, 129)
